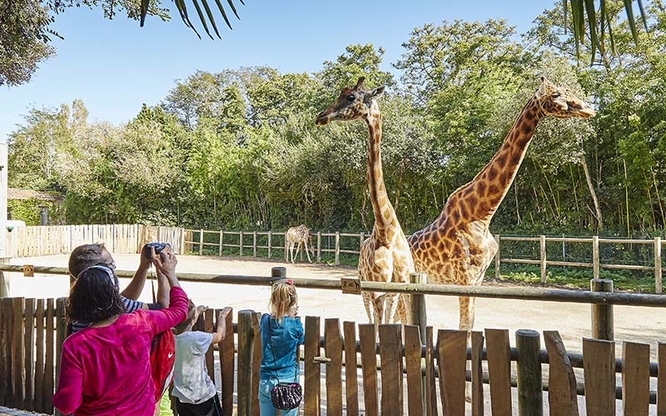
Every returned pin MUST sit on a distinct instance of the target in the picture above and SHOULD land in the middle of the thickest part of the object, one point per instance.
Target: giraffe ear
(376, 93)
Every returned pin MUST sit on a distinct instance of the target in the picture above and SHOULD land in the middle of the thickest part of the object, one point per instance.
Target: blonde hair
(283, 297)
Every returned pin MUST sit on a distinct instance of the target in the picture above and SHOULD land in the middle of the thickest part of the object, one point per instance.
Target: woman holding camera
(105, 368)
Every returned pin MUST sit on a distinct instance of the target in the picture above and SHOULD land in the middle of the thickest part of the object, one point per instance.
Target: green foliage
(239, 149)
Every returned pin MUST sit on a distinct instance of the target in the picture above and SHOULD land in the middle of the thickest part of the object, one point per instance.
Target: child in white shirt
(194, 391)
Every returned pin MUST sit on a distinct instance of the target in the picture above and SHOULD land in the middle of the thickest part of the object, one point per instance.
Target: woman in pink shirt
(105, 368)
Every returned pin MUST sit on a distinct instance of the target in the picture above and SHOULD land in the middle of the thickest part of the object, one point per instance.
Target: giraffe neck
(482, 196)
(382, 209)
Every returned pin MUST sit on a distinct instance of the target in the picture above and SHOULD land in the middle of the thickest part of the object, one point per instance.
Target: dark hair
(94, 297)
(85, 256)
(191, 312)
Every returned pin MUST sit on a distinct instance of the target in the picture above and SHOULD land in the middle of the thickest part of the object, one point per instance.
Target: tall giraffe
(298, 236)
(385, 255)
(458, 247)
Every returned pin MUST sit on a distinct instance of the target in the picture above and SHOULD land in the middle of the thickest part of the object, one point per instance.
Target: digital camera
(157, 246)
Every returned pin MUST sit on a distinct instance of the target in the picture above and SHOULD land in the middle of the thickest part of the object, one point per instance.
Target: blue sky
(114, 65)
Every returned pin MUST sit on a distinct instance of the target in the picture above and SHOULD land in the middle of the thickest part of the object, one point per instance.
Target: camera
(157, 246)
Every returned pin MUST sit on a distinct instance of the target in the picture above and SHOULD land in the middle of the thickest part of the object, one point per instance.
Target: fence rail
(410, 372)
(335, 247)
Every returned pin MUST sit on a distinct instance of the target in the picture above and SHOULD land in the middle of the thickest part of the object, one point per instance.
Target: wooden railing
(271, 245)
(329, 247)
(432, 377)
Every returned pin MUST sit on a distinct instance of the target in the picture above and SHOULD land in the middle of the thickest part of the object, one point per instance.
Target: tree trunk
(593, 194)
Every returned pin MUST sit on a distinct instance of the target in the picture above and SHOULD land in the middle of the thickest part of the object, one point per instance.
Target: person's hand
(147, 256)
(165, 263)
(222, 315)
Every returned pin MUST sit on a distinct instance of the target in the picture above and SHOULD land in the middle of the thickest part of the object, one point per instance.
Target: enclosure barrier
(265, 244)
(32, 331)
(332, 247)
(398, 375)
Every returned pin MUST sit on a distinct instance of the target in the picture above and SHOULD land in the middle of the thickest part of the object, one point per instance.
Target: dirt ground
(636, 324)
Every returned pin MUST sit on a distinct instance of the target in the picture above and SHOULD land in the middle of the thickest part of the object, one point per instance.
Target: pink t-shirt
(106, 370)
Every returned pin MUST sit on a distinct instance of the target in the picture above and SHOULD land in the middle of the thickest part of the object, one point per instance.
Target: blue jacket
(278, 347)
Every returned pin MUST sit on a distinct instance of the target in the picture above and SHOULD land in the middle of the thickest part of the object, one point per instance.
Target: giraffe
(298, 235)
(458, 247)
(385, 255)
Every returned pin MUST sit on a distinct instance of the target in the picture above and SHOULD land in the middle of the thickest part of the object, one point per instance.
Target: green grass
(577, 279)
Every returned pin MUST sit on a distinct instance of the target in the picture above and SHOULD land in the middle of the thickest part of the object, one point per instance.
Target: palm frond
(204, 11)
(584, 15)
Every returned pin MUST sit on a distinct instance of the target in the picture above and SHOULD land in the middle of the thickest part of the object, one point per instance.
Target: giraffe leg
(307, 250)
(466, 313)
(368, 302)
(391, 306)
(291, 251)
(466, 324)
(379, 312)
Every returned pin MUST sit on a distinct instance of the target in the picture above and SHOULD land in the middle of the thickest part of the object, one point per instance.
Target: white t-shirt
(191, 383)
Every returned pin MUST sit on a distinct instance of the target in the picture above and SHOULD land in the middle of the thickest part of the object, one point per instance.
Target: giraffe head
(559, 102)
(352, 103)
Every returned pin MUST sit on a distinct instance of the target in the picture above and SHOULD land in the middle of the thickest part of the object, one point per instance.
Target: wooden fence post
(219, 249)
(254, 244)
(269, 242)
(337, 248)
(201, 232)
(318, 246)
(542, 250)
(498, 262)
(658, 288)
(595, 256)
(245, 353)
(278, 273)
(4, 285)
(417, 313)
(240, 243)
(602, 315)
(530, 393)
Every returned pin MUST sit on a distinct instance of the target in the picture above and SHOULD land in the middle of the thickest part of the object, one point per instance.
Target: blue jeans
(266, 407)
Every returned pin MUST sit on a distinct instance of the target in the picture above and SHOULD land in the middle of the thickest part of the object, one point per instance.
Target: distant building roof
(14, 193)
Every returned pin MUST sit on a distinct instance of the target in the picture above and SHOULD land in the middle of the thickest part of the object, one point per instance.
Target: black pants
(210, 407)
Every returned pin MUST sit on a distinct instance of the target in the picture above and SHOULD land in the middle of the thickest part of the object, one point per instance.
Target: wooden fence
(334, 245)
(62, 239)
(407, 372)
(328, 246)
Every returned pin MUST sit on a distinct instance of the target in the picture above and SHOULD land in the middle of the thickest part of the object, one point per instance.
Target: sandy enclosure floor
(572, 320)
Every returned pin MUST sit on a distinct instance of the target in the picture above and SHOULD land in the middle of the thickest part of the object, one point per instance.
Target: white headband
(108, 272)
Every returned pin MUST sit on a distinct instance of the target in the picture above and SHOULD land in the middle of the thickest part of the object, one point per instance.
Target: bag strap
(270, 340)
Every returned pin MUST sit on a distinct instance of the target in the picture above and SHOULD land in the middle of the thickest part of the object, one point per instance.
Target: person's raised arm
(221, 325)
(134, 289)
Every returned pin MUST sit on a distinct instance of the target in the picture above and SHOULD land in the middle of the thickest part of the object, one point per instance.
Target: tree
(23, 40)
